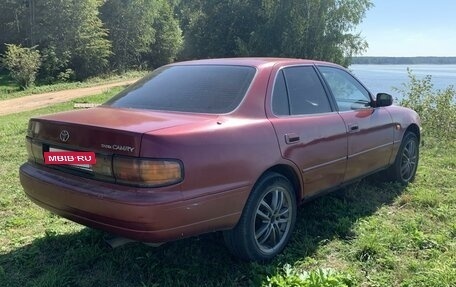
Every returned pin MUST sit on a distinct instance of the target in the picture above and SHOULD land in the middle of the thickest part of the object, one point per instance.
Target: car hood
(106, 129)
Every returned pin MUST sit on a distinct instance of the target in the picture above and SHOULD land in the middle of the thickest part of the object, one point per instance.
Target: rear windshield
(198, 89)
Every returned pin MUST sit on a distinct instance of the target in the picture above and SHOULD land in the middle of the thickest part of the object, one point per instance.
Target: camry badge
(64, 135)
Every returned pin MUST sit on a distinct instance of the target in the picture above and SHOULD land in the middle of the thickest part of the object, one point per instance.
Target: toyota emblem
(64, 135)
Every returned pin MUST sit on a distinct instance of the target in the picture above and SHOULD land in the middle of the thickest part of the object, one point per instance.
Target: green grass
(10, 90)
(369, 234)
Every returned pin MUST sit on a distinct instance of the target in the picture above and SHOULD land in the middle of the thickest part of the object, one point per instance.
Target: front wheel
(404, 168)
(267, 221)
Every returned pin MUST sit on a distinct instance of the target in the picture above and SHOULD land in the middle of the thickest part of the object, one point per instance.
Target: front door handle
(292, 138)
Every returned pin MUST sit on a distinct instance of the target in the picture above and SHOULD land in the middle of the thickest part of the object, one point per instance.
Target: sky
(410, 28)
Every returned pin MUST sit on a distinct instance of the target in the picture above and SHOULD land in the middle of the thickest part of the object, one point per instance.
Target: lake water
(382, 78)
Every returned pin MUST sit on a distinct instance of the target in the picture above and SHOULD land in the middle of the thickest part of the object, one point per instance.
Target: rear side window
(198, 89)
(280, 103)
(306, 94)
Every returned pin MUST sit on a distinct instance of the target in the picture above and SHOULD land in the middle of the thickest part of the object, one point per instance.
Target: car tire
(267, 220)
(404, 168)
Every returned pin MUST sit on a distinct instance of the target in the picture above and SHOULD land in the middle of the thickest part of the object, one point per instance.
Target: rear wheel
(267, 221)
(404, 168)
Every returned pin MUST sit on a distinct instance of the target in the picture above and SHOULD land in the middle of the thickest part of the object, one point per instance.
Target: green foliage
(143, 33)
(22, 64)
(69, 35)
(12, 26)
(53, 63)
(131, 31)
(168, 38)
(91, 46)
(304, 29)
(7, 84)
(2, 274)
(82, 38)
(437, 108)
(318, 278)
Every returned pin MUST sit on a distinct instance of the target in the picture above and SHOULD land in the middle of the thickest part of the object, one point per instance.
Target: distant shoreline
(364, 60)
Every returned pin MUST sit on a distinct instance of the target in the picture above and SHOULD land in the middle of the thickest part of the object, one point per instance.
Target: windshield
(200, 89)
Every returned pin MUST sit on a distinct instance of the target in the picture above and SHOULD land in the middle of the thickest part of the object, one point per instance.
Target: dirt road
(32, 102)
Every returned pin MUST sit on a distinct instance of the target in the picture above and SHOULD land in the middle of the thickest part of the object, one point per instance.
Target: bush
(54, 63)
(22, 64)
(437, 108)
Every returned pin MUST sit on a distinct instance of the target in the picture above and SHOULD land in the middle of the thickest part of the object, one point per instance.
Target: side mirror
(383, 100)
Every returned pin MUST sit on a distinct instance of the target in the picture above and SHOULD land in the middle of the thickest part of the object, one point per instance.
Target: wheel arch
(291, 174)
(414, 129)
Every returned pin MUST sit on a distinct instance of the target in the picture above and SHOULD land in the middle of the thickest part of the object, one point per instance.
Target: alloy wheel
(409, 160)
(273, 219)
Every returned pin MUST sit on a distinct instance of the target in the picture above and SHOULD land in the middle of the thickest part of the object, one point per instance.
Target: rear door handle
(292, 138)
(353, 128)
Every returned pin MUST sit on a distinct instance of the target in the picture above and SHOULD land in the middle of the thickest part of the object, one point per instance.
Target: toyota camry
(231, 145)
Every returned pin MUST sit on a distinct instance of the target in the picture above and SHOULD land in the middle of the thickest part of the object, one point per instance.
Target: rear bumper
(144, 215)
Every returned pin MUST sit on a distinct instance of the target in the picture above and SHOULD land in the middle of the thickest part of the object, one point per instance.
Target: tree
(316, 29)
(73, 32)
(12, 24)
(168, 37)
(22, 64)
(131, 31)
(142, 32)
(92, 48)
(68, 33)
(212, 28)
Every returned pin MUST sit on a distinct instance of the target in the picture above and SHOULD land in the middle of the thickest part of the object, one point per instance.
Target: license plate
(86, 167)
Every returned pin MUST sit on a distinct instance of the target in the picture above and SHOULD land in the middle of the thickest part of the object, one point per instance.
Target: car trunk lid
(104, 129)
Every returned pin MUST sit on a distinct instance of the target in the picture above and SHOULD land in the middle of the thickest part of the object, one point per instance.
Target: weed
(315, 278)
(437, 108)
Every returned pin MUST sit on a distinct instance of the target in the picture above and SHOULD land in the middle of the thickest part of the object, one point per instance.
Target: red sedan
(221, 144)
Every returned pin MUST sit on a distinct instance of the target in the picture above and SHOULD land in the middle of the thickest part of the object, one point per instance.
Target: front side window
(214, 89)
(348, 92)
(305, 91)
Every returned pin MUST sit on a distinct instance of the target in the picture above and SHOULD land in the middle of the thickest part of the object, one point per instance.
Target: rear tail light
(28, 145)
(34, 151)
(147, 172)
(142, 172)
(33, 128)
(103, 166)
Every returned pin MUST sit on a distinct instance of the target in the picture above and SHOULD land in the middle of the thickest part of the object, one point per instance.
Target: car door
(370, 130)
(309, 130)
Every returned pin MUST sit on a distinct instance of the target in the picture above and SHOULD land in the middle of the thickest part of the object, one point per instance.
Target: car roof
(252, 61)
